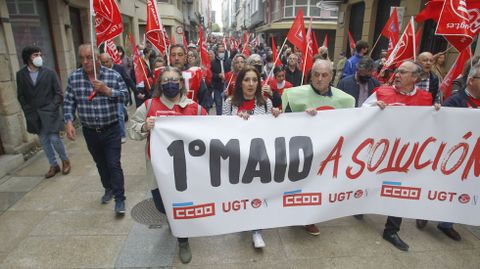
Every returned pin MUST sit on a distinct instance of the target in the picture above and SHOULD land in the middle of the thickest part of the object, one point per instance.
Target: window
(22, 7)
(31, 26)
(312, 8)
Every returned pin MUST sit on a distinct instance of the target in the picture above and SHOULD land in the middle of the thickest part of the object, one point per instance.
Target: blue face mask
(171, 89)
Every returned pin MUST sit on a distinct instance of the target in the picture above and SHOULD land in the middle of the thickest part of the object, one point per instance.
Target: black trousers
(157, 199)
(392, 225)
(105, 147)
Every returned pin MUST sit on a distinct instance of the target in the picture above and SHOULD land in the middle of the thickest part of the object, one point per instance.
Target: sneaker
(120, 207)
(107, 196)
(312, 229)
(184, 252)
(257, 240)
(124, 140)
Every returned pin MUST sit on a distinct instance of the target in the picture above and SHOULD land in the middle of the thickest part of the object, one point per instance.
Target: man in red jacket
(404, 92)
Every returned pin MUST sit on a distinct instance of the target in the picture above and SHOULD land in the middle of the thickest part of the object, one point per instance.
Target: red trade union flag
(314, 44)
(204, 57)
(296, 35)
(185, 43)
(108, 21)
(245, 50)
(139, 66)
(308, 61)
(351, 42)
(405, 48)
(154, 31)
(455, 71)
(390, 30)
(111, 49)
(275, 54)
(325, 41)
(459, 22)
(430, 11)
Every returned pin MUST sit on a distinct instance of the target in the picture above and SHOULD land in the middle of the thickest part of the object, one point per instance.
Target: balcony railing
(317, 9)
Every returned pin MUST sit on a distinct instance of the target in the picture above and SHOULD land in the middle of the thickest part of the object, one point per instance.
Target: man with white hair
(99, 119)
(318, 95)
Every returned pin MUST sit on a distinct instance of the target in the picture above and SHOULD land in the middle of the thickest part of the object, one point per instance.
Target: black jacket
(349, 85)
(458, 99)
(125, 77)
(217, 83)
(41, 103)
(294, 77)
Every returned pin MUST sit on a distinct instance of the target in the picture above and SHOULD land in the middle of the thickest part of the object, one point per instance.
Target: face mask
(171, 89)
(221, 55)
(37, 61)
(259, 68)
(363, 79)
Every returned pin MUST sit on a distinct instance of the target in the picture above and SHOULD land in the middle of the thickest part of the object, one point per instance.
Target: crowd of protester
(234, 83)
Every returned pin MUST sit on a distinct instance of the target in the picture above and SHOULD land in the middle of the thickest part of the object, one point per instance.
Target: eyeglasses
(166, 80)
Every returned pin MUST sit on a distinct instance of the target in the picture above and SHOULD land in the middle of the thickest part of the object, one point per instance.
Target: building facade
(365, 20)
(58, 27)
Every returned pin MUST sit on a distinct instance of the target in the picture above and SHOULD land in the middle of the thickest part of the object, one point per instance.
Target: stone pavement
(60, 223)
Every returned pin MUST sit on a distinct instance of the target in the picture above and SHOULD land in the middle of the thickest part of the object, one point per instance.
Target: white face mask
(221, 55)
(38, 61)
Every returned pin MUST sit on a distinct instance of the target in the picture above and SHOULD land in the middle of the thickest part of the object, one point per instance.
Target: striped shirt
(102, 110)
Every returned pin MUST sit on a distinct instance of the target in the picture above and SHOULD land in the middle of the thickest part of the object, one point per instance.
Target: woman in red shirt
(168, 99)
(279, 84)
(247, 99)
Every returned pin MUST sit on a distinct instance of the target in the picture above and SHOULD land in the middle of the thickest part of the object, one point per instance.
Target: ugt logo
(395, 190)
(297, 198)
(190, 211)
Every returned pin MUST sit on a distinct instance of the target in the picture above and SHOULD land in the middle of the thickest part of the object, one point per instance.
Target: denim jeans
(121, 119)
(50, 142)
(105, 148)
(218, 98)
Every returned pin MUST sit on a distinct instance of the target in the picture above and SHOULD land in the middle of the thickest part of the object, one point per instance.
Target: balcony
(317, 9)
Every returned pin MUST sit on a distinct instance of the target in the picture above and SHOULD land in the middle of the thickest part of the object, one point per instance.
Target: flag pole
(414, 37)
(306, 51)
(374, 45)
(276, 59)
(92, 15)
(163, 32)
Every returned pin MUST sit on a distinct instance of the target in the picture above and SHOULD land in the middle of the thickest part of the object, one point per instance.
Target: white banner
(221, 175)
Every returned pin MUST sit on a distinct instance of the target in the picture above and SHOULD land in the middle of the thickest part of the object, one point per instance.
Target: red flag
(455, 71)
(458, 22)
(325, 41)
(405, 48)
(204, 57)
(390, 30)
(185, 43)
(314, 44)
(154, 30)
(174, 41)
(225, 43)
(430, 11)
(296, 35)
(275, 54)
(352, 42)
(308, 59)
(111, 49)
(108, 21)
(245, 50)
(139, 66)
